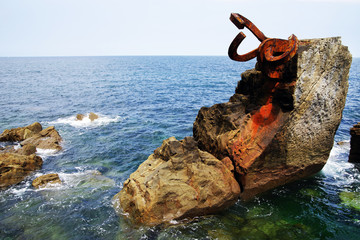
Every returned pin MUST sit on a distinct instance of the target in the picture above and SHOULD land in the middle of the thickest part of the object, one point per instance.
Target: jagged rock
(80, 117)
(15, 167)
(275, 134)
(27, 149)
(20, 133)
(93, 116)
(48, 138)
(355, 144)
(43, 180)
(176, 182)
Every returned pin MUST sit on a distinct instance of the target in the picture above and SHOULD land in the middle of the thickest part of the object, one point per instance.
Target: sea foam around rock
(86, 122)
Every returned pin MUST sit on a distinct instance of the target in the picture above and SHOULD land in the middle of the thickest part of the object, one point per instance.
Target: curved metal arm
(241, 22)
(234, 46)
(286, 48)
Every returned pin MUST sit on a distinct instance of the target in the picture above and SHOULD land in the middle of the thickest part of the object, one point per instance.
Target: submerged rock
(350, 199)
(20, 133)
(42, 181)
(276, 133)
(176, 182)
(15, 167)
(354, 156)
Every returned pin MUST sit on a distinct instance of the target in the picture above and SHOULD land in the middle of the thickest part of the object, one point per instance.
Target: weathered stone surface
(355, 144)
(277, 133)
(20, 133)
(93, 116)
(27, 149)
(42, 181)
(15, 167)
(48, 138)
(176, 182)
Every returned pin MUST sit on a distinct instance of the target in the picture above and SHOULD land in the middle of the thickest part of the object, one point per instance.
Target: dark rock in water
(176, 182)
(275, 134)
(80, 117)
(93, 116)
(354, 156)
(48, 138)
(15, 167)
(43, 180)
(20, 133)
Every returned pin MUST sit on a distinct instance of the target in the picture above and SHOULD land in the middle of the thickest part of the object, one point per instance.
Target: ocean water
(141, 101)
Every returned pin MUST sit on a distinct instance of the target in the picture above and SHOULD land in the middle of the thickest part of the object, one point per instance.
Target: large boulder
(15, 167)
(275, 133)
(20, 133)
(176, 182)
(354, 155)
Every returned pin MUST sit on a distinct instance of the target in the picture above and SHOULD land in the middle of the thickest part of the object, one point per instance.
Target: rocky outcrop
(48, 138)
(34, 135)
(42, 181)
(176, 182)
(271, 132)
(354, 156)
(17, 163)
(20, 133)
(275, 133)
(15, 167)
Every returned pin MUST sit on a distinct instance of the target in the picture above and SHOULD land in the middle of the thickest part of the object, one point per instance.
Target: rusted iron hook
(241, 22)
(272, 53)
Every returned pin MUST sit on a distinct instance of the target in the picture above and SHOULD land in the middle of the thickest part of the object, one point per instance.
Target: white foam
(339, 168)
(86, 122)
(45, 152)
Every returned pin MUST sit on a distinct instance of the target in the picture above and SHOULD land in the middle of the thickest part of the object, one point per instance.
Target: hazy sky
(165, 27)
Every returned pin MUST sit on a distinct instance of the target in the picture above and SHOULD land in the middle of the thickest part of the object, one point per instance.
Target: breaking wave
(86, 122)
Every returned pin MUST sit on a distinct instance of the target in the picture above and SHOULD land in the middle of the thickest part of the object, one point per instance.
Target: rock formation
(176, 182)
(48, 138)
(80, 117)
(275, 133)
(15, 167)
(43, 180)
(16, 164)
(20, 133)
(354, 156)
(271, 132)
(93, 116)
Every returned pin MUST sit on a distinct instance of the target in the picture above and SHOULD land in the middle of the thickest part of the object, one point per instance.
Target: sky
(165, 27)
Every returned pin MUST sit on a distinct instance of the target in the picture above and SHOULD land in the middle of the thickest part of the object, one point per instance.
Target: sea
(141, 101)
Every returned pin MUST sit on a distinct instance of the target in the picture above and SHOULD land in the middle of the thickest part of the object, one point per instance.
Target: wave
(338, 167)
(86, 122)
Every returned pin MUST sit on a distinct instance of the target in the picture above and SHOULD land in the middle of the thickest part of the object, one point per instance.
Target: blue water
(141, 101)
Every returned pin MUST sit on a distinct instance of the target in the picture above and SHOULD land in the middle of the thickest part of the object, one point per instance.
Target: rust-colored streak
(257, 133)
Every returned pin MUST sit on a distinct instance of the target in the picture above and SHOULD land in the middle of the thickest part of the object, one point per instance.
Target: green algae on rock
(350, 199)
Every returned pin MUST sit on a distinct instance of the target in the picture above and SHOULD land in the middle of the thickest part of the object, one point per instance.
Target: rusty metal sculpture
(272, 53)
